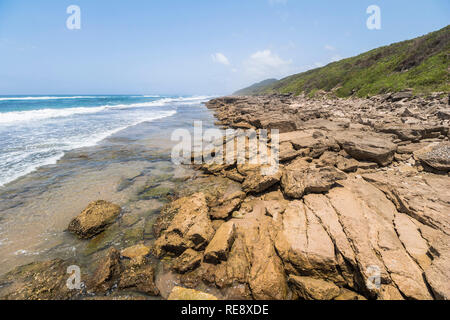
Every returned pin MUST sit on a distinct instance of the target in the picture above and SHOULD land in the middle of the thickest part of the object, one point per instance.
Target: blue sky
(190, 46)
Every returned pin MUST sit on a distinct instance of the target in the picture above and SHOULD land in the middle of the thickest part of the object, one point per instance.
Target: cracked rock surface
(362, 190)
(358, 208)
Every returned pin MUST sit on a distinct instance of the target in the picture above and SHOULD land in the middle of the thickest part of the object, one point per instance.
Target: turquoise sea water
(38, 130)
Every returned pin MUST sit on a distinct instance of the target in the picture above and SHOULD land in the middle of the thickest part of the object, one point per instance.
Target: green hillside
(420, 64)
(255, 87)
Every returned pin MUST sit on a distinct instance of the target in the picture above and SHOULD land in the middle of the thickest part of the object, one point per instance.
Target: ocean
(37, 130)
(59, 153)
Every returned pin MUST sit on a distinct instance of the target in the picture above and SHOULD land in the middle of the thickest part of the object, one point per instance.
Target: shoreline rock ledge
(359, 209)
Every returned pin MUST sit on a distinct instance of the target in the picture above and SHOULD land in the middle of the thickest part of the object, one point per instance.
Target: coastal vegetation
(420, 65)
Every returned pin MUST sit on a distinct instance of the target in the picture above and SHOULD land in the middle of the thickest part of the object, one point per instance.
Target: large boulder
(220, 245)
(344, 162)
(266, 276)
(256, 182)
(140, 279)
(301, 177)
(287, 152)
(189, 228)
(252, 268)
(107, 272)
(112, 273)
(222, 206)
(283, 125)
(309, 142)
(368, 146)
(412, 132)
(94, 219)
(436, 156)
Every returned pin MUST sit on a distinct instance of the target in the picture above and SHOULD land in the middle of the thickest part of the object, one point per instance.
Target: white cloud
(318, 64)
(266, 64)
(267, 58)
(220, 58)
(330, 48)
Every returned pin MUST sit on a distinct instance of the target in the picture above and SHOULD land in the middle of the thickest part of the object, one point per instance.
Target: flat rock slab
(220, 245)
(436, 156)
(301, 177)
(368, 146)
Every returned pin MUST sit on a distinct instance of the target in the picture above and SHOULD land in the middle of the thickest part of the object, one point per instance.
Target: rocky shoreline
(363, 189)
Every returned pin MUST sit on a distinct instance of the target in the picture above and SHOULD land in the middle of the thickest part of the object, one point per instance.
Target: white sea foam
(70, 143)
(49, 98)
(14, 117)
(40, 114)
(41, 147)
(27, 168)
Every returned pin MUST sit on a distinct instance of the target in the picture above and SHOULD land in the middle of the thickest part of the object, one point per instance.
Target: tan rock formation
(189, 228)
(94, 219)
